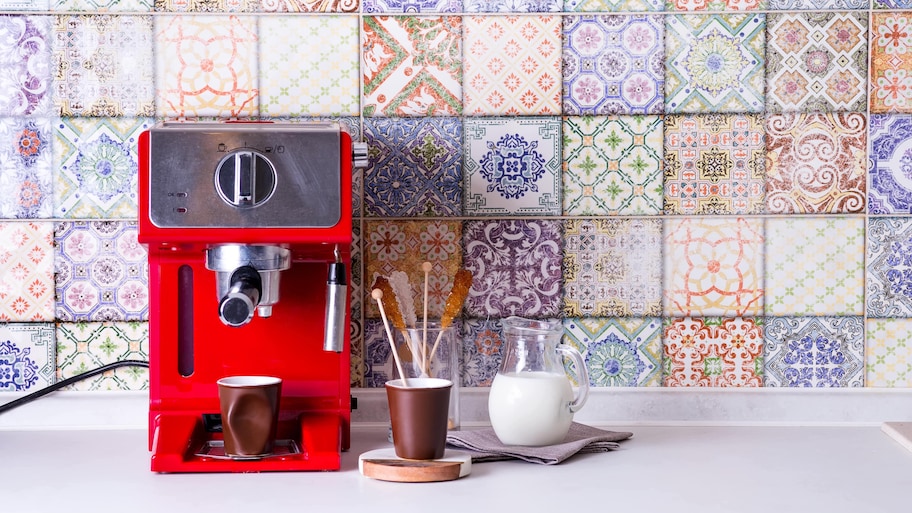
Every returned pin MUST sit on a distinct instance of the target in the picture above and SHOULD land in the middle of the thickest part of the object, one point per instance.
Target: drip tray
(216, 449)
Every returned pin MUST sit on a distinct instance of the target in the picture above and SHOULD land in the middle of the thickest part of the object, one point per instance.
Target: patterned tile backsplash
(706, 192)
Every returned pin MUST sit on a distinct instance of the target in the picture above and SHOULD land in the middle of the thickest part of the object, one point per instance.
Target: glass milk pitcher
(531, 401)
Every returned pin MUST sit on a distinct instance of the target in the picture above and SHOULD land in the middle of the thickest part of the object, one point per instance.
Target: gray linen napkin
(485, 446)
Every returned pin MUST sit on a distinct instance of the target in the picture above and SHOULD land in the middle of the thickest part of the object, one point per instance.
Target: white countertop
(682, 469)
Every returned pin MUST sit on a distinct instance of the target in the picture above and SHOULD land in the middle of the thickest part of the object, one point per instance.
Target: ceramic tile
(890, 166)
(713, 267)
(27, 356)
(103, 66)
(415, 167)
(404, 246)
(206, 66)
(613, 5)
(89, 345)
(713, 352)
(612, 267)
(816, 62)
(816, 5)
(97, 167)
(815, 266)
(888, 353)
(816, 163)
(482, 351)
(714, 164)
(300, 77)
(25, 168)
(613, 64)
(412, 6)
(715, 5)
(25, 65)
(24, 5)
(612, 165)
(618, 352)
(132, 6)
(512, 65)
(379, 366)
(315, 6)
(889, 267)
(26, 272)
(207, 6)
(516, 266)
(814, 352)
(512, 166)
(101, 272)
(412, 65)
(891, 4)
(891, 62)
(513, 5)
(714, 63)
(356, 308)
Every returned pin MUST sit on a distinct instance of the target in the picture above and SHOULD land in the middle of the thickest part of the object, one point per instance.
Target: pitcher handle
(583, 393)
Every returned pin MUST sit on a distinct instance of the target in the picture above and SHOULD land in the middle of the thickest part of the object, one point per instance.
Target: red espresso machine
(230, 212)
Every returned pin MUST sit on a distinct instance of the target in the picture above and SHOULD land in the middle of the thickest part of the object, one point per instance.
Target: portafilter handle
(237, 306)
(334, 323)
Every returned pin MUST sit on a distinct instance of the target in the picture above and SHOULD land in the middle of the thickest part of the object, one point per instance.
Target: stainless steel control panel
(223, 175)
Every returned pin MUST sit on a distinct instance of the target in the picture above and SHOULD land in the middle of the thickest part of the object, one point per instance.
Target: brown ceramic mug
(250, 414)
(418, 415)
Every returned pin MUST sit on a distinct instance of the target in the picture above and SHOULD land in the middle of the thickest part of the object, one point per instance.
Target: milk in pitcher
(530, 408)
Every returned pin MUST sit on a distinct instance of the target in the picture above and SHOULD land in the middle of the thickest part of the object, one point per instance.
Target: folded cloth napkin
(485, 446)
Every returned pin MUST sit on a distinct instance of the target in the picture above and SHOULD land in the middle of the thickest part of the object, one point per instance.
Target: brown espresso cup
(418, 415)
(250, 414)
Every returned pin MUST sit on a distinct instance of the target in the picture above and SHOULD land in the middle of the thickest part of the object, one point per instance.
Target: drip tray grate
(216, 449)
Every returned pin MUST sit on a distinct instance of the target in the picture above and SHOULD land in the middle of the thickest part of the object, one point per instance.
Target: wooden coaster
(383, 464)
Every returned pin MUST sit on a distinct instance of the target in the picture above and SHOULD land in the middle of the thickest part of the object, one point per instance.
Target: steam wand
(335, 306)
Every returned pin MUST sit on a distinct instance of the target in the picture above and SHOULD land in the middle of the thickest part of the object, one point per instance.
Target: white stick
(377, 294)
(426, 267)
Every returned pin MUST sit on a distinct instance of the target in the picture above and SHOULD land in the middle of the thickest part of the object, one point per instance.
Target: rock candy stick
(462, 282)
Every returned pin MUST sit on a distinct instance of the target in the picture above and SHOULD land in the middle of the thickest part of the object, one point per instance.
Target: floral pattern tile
(379, 366)
(612, 267)
(412, 65)
(103, 66)
(25, 65)
(891, 62)
(888, 353)
(356, 308)
(810, 5)
(298, 78)
(404, 246)
(96, 165)
(890, 165)
(412, 6)
(101, 272)
(816, 62)
(315, 6)
(26, 168)
(715, 5)
(206, 6)
(613, 5)
(415, 167)
(891, 4)
(103, 5)
(816, 163)
(613, 165)
(714, 164)
(26, 271)
(513, 5)
(889, 267)
(512, 166)
(88, 345)
(27, 356)
(714, 63)
(814, 352)
(512, 65)
(714, 267)
(482, 351)
(618, 352)
(516, 267)
(815, 266)
(613, 64)
(713, 352)
(206, 66)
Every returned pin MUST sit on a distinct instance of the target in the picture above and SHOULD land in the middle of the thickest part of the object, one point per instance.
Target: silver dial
(245, 178)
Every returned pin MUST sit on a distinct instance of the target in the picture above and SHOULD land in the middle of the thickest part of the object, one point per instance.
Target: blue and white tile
(889, 267)
(890, 164)
(817, 5)
(619, 352)
(482, 351)
(817, 352)
(27, 356)
(379, 366)
(88, 345)
(415, 167)
(356, 308)
(512, 166)
(25, 62)
(25, 168)
(892, 4)
(411, 6)
(101, 272)
(513, 5)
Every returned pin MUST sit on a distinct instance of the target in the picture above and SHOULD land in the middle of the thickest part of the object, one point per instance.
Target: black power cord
(69, 381)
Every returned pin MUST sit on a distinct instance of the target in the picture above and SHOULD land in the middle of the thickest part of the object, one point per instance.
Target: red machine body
(191, 347)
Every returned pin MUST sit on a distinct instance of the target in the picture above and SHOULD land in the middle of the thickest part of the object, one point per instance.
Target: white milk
(530, 408)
